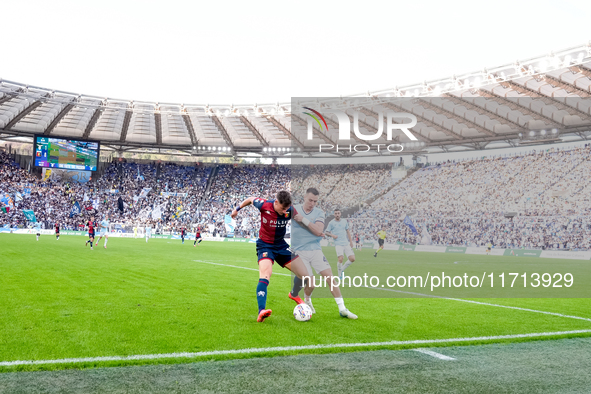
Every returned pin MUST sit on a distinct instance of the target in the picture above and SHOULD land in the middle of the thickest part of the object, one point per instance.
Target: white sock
(307, 297)
(340, 303)
(106, 240)
(346, 265)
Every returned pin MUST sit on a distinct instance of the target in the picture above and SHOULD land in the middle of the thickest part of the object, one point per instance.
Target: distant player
(135, 231)
(338, 229)
(183, 233)
(148, 232)
(271, 246)
(57, 231)
(90, 225)
(488, 248)
(306, 235)
(37, 227)
(357, 242)
(381, 237)
(198, 237)
(104, 231)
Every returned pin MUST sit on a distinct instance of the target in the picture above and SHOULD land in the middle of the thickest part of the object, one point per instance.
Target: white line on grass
(483, 303)
(429, 295)
(237, 266)
(285, 349)
(434, 354)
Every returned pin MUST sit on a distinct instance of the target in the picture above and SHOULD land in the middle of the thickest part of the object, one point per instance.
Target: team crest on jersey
(264, 254)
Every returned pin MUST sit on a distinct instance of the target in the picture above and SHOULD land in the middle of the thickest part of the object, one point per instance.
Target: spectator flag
(30, 215)
(85, 197)
(120, 204)
(230, 224)
(5, 209)
(145, 192)
(7, 200)
(410, 225)
(95, 203)
(75, 209)
(18, 197)
(426, 238)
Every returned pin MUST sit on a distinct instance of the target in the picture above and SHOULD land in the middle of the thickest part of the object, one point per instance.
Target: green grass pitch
(59, 299)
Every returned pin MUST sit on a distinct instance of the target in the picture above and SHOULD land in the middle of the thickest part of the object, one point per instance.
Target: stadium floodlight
(209, 148)
(194, 147)
(554, 131)
(543, 132)
(520, 135)
(532, 133)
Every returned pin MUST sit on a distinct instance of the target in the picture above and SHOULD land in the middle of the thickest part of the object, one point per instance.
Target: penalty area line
(287, 349)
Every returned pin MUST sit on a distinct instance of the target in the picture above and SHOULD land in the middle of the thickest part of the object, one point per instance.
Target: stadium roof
(541, 100)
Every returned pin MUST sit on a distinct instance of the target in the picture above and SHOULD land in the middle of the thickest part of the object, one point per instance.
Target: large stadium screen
(66, 154)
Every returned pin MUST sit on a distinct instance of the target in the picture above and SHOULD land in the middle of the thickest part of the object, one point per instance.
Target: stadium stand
(536, 200)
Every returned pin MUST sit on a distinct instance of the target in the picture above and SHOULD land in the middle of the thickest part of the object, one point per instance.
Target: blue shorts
(281, 254)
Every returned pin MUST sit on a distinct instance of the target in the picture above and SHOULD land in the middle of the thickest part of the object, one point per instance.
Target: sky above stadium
(224, 52)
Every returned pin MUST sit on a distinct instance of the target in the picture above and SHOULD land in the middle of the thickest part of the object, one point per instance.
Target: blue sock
(262, 293)
(297, 286)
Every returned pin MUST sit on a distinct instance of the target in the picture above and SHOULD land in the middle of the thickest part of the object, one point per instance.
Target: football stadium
(431, 237)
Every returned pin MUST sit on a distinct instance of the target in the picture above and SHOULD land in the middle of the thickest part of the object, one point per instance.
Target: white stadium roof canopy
(540, 100)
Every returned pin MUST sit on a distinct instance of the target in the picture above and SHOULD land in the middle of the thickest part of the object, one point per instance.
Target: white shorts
(314, 259)
(103, 233)
(344, 249)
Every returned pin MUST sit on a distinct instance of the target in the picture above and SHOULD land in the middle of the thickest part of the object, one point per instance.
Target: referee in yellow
(381, 237)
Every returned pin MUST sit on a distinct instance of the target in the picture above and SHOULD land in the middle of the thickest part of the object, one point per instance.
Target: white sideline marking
(284, 349)
(434, 354)
(237, 266)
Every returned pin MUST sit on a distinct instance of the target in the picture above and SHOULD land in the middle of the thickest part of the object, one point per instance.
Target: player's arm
(243, 204)
(328, 231)
(316, 228)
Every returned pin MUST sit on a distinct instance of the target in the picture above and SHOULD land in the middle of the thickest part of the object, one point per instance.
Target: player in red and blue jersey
(90, 224)
(57, 231)
(198, 238)
(183, 233)
(271, 246)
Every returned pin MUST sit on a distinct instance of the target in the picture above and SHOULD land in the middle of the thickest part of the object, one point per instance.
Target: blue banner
(410, 225)
(75, 209)
(30, 215)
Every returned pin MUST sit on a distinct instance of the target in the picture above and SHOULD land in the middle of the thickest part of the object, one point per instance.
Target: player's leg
(299, 282)
(340, 254)
(350, 257)
(321, 265)
(37, 236)
(106, 240)
(265, 271)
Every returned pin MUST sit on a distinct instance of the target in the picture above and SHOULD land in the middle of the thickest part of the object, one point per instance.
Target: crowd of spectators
(536, 200)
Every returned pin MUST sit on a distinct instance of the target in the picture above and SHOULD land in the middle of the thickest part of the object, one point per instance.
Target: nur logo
(345, 124)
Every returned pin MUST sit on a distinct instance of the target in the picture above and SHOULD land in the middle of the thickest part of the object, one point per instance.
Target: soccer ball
(302, 312)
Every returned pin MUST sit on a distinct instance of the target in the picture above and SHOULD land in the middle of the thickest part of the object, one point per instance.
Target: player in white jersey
(104, 231)
(338, 229)
(37, 227)
(306, 234)
(148, 231)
